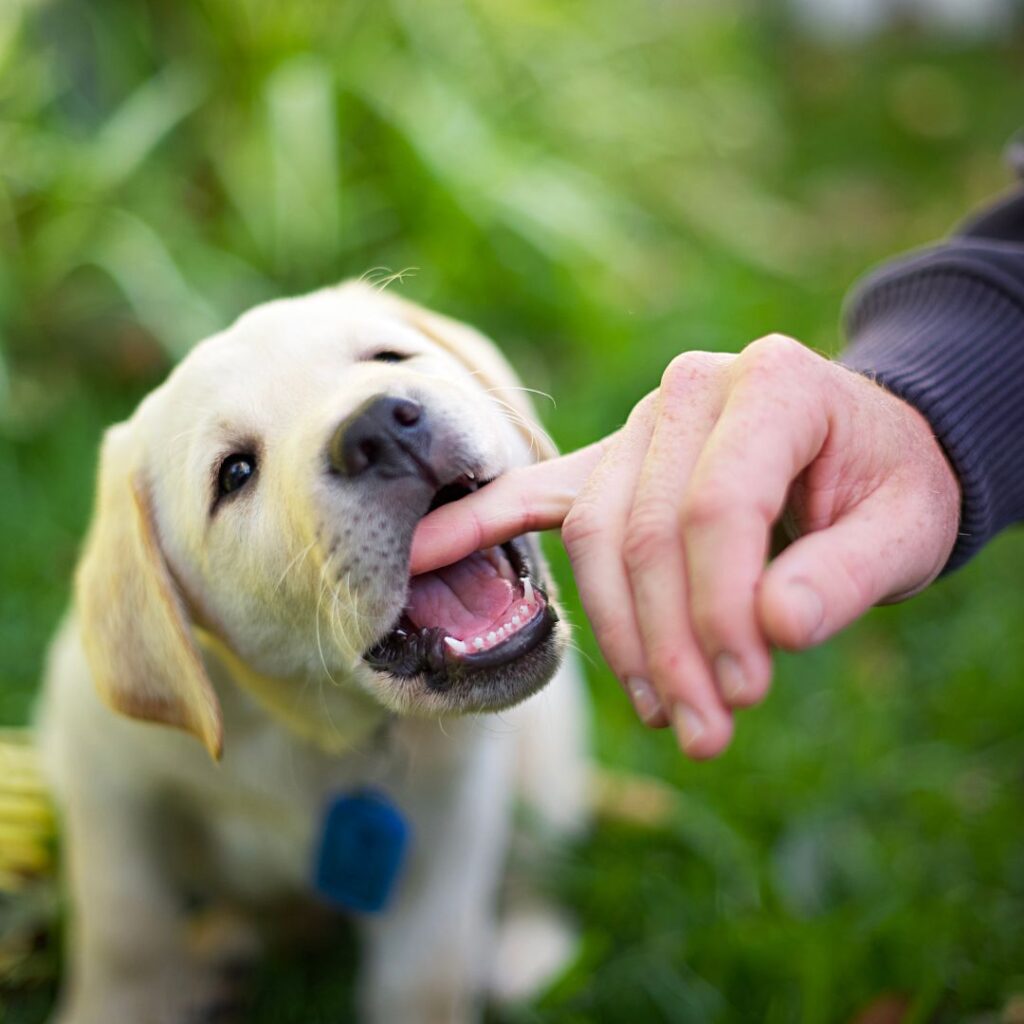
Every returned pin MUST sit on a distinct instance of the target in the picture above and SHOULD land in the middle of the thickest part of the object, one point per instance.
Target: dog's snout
(387, 437)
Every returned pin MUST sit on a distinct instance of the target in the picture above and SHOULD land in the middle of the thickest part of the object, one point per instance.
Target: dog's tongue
(463, 599)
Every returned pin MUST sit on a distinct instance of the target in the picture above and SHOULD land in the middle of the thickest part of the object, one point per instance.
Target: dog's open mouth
(482, 612)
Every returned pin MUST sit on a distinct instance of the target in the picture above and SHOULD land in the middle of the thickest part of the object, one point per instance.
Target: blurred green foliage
(599, 186)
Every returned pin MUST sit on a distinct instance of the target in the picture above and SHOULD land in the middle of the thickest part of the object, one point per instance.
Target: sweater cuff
(952, 344)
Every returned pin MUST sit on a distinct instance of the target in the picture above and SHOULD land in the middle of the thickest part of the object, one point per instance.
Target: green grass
(599, 186)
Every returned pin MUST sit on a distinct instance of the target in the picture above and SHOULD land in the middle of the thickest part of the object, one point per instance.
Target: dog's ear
(480, 355)
(133, 621)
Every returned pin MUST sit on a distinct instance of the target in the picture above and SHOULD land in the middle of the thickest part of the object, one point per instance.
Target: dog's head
(268, 492)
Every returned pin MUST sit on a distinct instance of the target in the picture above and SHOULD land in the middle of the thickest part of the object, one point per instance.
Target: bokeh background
(599, 185)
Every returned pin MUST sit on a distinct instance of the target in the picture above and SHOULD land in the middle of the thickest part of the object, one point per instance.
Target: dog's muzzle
(483, 612)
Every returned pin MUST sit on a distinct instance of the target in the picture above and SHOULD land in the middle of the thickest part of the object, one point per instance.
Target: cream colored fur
(206, 694)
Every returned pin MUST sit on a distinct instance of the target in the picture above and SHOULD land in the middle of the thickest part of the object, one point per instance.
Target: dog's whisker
(294, 563)
(319, 644)
(325, 707)
(508, 727)
(338, 622)
(532, 429)
(345, 607)
(335, 620)
(319, 641)
(338, 609)
(588, 658)
(388, 278)
(513, 387)
(520, 387)
(348, 607)
(186, 433)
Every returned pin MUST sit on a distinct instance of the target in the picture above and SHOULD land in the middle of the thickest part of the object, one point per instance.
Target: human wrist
(952, 346)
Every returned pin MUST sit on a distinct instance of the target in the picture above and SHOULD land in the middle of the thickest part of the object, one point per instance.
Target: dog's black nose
(386, 437)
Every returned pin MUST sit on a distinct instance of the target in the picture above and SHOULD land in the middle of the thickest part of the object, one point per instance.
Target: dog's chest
(264, 808)
(265, 811)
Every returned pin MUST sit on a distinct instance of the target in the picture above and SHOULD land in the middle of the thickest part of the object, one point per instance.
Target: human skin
(668, 524)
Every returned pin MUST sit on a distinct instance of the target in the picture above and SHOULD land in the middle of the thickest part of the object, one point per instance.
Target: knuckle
(774, 353)
(582, 528)
(708, 503)
(646, 407)
(779, 346)
(642, 549)
(716, 500)
(689, 368)
(644, 413)
(530, 519)
(529, 515)
(648, 534)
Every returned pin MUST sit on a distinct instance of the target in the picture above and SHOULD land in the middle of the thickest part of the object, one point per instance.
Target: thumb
(523, 500)
(828, 579)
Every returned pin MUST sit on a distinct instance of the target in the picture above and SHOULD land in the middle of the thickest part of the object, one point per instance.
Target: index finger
(523, 500)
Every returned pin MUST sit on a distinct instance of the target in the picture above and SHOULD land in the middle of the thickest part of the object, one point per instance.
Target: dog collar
(335, 721)
(361, 852)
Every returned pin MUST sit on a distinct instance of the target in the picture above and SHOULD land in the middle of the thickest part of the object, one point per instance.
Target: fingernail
(806, 607)
(644, 698)
(689, 726)
(730, 676)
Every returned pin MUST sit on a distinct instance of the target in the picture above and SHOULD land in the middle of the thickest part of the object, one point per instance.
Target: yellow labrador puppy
(244, 589)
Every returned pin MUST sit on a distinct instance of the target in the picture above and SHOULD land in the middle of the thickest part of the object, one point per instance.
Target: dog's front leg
(128, 955)
(427, 957)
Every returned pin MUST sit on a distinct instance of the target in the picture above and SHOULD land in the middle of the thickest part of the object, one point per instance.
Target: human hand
(668, 524)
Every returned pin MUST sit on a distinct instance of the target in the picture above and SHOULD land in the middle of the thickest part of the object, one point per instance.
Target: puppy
(244, 588)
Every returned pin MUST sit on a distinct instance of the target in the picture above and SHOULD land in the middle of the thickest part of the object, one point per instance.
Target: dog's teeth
(401, 634)
(523, 610)
(516, 620)
(478, 643)
(455, 644)
(491, 637)
(528, 589)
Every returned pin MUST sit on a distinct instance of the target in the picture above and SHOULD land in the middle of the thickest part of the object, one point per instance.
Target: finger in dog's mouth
(485, 611)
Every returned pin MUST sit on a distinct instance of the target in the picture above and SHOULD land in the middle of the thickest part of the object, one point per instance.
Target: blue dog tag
(361, 852)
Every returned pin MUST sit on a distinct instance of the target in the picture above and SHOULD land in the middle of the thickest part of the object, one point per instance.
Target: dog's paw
(535, 944)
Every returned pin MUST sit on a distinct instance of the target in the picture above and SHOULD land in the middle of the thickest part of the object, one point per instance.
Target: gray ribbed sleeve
(945, 330)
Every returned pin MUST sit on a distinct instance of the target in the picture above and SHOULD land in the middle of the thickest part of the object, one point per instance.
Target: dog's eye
(389, 356)
(235, 472)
